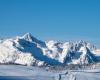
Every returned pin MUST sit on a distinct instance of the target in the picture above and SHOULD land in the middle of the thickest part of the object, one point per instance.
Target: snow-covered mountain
(27, 50)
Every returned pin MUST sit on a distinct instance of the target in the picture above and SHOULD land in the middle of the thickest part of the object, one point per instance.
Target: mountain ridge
(28, 50)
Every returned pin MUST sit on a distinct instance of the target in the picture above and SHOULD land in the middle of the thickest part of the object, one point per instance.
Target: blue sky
(51, 19)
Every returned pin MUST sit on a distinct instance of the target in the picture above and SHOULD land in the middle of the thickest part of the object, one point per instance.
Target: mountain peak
(29, 37)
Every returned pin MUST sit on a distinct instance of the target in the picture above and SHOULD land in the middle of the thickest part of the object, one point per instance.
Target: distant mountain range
(27, 50)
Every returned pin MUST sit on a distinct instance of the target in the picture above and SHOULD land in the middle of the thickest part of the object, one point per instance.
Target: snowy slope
(27, 50)
(18, 72)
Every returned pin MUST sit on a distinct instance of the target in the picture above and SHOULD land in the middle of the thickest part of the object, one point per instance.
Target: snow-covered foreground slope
(27, 50)
(18, 72)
